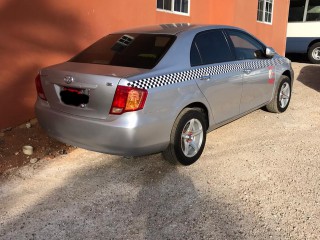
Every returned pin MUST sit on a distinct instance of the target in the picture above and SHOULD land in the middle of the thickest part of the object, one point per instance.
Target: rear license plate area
(74, 96)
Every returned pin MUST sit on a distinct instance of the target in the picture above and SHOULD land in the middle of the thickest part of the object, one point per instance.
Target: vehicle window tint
(296, 10)
(128, 50)
(313, 13)
(213, 48)
(195, 58)
(245, 46)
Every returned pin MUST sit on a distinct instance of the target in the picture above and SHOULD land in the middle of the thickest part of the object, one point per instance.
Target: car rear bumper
(131, 134)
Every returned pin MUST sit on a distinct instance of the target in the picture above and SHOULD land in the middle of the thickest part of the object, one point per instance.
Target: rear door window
(210, 47)
(127, 50)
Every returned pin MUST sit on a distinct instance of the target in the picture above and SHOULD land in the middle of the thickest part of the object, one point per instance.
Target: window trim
(264, 12)
(172, 11)
(305, 12)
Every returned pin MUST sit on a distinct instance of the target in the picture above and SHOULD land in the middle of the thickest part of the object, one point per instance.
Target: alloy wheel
(284, 95)
(191, 137)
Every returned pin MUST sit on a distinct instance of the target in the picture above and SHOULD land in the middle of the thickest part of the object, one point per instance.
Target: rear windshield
(127, 50)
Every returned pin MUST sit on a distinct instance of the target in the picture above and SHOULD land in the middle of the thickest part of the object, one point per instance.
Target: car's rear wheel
(188, 137)
(282, 96)
(314, 53)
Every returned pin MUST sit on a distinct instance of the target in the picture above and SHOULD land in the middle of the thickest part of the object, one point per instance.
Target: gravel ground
(258, 178)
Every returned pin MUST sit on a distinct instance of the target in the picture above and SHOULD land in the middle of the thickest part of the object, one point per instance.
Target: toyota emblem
(68, 79)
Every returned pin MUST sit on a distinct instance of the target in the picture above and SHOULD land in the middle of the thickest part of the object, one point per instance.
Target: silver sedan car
(160, 89)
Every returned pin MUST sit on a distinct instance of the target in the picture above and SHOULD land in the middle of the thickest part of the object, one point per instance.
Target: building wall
(38, 33)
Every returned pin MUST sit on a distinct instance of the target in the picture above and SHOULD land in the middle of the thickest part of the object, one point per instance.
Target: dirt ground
(258, 178)
(12, 141)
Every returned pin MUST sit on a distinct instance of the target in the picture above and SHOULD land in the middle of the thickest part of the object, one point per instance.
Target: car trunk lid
(83, 89)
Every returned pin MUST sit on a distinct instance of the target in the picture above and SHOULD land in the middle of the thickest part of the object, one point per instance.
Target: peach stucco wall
(39, 33)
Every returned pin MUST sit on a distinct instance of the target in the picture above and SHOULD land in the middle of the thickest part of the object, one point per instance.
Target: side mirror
(270, 52)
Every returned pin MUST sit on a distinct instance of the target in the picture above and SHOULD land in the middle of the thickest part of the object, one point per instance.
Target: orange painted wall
(38, 33)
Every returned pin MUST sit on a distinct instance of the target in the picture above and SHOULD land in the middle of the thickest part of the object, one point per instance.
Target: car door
(220, 76)
(258, 78)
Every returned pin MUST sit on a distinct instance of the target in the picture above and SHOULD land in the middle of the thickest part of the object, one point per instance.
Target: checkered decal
(177, 77)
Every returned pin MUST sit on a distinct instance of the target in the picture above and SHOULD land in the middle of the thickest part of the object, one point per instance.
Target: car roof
(173, 28)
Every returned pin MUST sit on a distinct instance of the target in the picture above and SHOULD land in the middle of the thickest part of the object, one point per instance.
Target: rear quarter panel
(164, 104)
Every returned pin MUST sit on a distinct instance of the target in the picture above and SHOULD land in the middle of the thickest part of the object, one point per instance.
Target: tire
(188, 137)
(282, 96)
(314, 53)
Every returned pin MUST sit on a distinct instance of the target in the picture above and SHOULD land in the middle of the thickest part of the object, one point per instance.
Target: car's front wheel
(314, 53)
(282, 96)
(188, 137)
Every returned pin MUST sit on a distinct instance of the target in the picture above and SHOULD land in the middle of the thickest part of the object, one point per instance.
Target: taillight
(127, 99)
(39, 88)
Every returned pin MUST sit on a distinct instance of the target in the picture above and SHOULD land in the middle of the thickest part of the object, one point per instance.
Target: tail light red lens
(127, 99)
(39, 88)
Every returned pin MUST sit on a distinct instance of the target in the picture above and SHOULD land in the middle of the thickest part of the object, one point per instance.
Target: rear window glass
(127, 50)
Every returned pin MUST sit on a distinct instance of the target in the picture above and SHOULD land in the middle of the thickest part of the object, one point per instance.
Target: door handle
(205, 77)
(247, 71)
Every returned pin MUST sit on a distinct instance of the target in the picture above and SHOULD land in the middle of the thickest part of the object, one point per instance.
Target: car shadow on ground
(298, 57)
(119, 198)
(310, 76)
